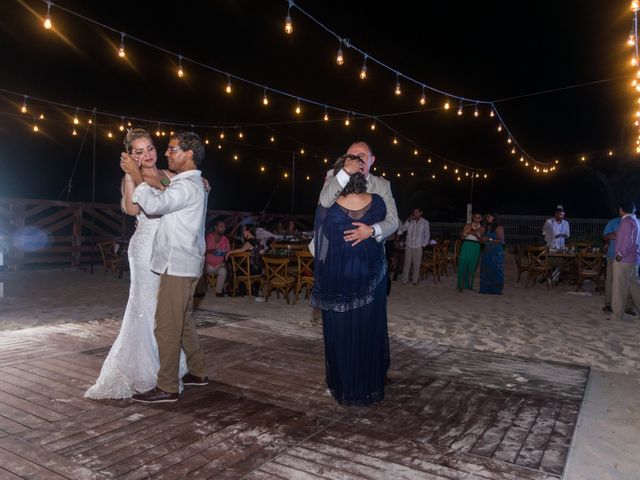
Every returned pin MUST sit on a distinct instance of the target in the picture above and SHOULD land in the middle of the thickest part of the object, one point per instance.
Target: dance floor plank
(449, 413)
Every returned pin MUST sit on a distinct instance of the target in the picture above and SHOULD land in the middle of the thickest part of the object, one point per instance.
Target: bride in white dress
(132, 364)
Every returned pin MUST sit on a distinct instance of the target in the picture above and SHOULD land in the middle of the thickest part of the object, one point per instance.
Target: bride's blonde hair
(132, 135)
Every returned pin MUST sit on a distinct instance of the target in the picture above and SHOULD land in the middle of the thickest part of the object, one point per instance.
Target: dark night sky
(488, 50)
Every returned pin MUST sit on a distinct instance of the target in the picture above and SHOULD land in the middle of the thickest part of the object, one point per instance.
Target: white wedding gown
(132, 364)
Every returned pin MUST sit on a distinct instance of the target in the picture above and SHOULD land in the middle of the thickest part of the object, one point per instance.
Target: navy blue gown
(351, 289)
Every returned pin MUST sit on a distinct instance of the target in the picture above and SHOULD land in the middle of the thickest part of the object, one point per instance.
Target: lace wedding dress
(132, 364)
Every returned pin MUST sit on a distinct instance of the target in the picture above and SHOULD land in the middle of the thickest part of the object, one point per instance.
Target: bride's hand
(128, 164)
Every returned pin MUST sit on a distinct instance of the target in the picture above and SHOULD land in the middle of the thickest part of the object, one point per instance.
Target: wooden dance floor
(449, 413)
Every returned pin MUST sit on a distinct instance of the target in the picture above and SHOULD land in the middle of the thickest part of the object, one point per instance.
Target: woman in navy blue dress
(351, 289)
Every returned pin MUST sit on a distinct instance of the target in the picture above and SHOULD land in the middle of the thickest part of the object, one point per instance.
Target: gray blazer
(332, 188)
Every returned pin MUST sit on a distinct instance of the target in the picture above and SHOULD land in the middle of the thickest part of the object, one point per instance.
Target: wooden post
(76, 238)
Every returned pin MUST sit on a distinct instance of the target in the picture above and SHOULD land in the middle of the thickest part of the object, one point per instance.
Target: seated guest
(217, 248)
(556, 230)
(278, 229)
(292, 230)
(251, 245)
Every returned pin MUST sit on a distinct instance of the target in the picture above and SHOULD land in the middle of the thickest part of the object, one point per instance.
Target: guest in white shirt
(178, 256)
(418, 235)
(556, 230)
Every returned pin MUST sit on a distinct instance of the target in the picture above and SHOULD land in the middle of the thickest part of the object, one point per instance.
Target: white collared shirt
(179, 245)
(418, 233)
(553, 228)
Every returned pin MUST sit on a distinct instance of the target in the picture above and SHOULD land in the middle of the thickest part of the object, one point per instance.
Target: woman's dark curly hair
(357, 181)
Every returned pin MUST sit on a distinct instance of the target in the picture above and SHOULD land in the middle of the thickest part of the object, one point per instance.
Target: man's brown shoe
(155, 395)
(189, 379)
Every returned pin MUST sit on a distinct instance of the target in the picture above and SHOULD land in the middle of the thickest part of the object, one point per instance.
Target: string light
(446, 104)
(235, 156)
(288, 25)
(228, 88)
(395, 141)
(47, 19)
(635, 5)
(262, 169)
(475, 111)
(339, 55)
(415, 151)
(423, 98)
(74, 132)
(180, 70)
(326, 115)
(308, 177)
(298, 108)
(222, 135)
(302, 151)
(363, 70)
(240, 135)
(121, 127)
(272, 139)
(76, 121)
(42, 116)
(373, 125)
(35, 127)
(286, 175)
(110, 135)
(500, 127)
(347, 122)
(491, 114)
(398, 91)
(631, 41)
(121, 52)
(24, 108)
(460, 108)
(265, 98)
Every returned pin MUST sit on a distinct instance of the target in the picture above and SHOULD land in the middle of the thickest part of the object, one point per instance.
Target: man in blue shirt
(609, 236)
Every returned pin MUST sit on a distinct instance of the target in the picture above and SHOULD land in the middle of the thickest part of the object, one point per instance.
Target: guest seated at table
(291, 230)
(278, 229)
(556, 230)
(217, 248)
(251, 245)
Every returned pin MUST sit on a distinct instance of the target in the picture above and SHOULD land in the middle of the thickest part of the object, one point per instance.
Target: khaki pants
(221, 275)
(174, 328)
(412, 257)
(625, 282)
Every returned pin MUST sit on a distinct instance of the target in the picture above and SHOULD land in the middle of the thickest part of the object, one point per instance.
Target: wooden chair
(452, 257)
(431, 263)
(241, 269)
(538, 265)
(277, 277)
(444, 258)
(304, 274)
(590, 265)
(110, 258)
(522, 261)
(211, 281)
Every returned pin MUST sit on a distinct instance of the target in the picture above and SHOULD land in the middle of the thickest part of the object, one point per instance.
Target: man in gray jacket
(360, 160)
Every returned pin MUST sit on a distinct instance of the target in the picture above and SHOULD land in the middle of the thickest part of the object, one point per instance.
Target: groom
(178, 254)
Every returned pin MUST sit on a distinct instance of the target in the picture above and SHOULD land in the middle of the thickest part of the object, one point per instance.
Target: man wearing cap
(625, 267)
(556, 230)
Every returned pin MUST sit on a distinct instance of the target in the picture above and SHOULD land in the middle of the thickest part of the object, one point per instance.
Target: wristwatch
(373, 232)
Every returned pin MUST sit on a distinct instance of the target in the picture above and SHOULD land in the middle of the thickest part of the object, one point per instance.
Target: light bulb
(509, 140)
(610, 153)
(76, 121)
(429, 160)
(373, 126)
(634, 61)
(326, 160)
(347, 122)
(459, 179)
(265, 99)
(35, 128)
(433, 176)
(635, 5)
(90, 121)
(398, 91)
(499, 128)
(180, 71)
(326, 115)
(521, 158)
(460, 109)
(23, 109)
(485, 175)
(363, 72)
(455, 171)
(582, 158)
(121, 128)
(398, 174)
(412, 174)
(423, 99)
(307, 177)
(235, 157)
(272, 139)
(286, 175)
(240, 135)
(476, 113)
(446, 105)
(228, 88)
(47, 22)
(302, 151)
(415, 152)
(288, 26)
(631, 41)
(110, 135)
(206, 141)
(121, 52)
(445, 167)
(74, 133)
(395, 141)
(513, 150)
(298, 109)
(221, 135)
(262, 169)
(340, 56)
(491, 114)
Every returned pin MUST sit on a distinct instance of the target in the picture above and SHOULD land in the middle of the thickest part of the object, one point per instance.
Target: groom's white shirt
(179, 246)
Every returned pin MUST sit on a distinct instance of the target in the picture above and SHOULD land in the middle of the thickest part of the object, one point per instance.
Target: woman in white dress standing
(132, 364)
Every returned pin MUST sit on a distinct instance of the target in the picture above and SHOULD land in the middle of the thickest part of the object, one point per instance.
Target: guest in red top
(217, 248)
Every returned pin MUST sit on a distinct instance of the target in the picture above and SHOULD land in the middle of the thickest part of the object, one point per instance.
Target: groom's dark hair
(190, 141)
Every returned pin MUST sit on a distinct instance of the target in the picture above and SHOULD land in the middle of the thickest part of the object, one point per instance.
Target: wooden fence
(38, 233)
